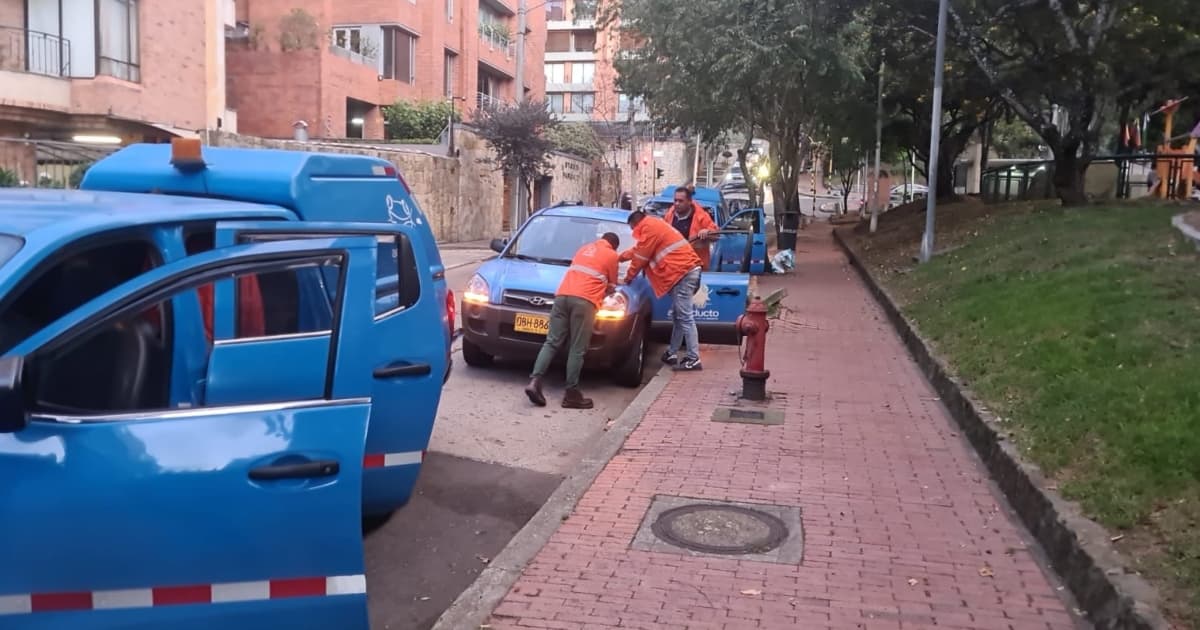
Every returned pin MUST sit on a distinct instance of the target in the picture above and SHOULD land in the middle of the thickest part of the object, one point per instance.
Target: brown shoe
(534, 391)
(573, 399)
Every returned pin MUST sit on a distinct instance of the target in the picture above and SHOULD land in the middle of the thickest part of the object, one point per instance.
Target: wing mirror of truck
(498, 244)
(12, 396)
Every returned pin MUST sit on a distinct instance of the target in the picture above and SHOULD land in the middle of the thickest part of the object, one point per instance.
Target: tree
(411, 120)
(902, 36)
(519, 134)
(578, 139)
(1063, 66)
(763, 70)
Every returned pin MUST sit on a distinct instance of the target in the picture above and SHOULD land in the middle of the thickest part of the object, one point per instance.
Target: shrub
(407, 119)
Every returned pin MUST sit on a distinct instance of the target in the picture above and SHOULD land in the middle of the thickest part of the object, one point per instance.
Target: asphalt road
(493, 461)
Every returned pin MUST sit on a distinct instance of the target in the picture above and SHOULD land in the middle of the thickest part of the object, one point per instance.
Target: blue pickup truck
(210, 368)
(506, 304)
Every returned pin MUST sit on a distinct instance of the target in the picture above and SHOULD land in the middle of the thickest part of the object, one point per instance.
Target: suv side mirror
(498, 244)
(12, 395)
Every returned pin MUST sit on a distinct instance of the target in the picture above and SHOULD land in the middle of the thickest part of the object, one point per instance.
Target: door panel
(716, 318)
(408, 329)
(215, 516)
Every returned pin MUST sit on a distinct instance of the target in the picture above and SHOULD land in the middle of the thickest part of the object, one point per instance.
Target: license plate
(533, 324)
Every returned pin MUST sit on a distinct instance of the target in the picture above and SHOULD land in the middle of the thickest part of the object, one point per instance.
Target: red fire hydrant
(753, 325)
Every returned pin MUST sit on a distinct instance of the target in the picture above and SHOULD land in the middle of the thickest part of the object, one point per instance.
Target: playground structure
(1175, 166)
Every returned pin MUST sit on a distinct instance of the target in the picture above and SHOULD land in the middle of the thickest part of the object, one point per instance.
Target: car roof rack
(567, 203)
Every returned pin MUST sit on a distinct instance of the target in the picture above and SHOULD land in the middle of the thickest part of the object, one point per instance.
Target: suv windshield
(555, 239)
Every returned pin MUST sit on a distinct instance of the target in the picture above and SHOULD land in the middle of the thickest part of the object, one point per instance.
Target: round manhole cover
(720, 529)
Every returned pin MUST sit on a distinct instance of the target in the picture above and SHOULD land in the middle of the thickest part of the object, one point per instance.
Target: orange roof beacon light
(186, 156)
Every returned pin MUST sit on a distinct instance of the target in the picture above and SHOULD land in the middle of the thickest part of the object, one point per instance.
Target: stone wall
(463, 197)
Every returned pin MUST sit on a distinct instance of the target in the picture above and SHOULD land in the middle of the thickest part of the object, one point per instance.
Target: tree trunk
(1069, 169)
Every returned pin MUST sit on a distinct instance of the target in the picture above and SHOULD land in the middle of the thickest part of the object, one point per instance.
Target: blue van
(746, 228)
(138, 211)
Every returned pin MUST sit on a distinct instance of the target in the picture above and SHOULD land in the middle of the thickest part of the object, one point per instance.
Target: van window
(398, 279)
(63, 283)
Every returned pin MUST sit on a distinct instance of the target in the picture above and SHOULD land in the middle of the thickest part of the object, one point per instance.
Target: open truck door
(189, 517)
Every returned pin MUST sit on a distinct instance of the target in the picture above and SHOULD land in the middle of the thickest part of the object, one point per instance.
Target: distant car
(903, 193)
(506, 305)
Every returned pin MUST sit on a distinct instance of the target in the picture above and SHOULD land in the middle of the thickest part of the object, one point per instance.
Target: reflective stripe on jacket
(662, 252)
(701, 220)
(592, 271)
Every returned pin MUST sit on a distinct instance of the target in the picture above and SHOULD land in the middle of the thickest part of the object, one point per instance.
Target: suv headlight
(477, 291)
(614, 306)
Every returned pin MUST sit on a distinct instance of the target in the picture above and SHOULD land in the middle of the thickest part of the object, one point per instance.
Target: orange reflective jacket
(701, 220)
(662, 251)
(593, 270)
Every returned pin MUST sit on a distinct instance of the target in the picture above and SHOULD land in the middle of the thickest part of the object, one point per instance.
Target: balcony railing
(495, 39)
(487, 101)
(35, 52)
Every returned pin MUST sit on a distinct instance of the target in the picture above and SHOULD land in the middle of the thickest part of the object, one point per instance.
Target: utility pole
(875, 202)
(935, 131)
(521, 10)
(696, 161)
(633, 184)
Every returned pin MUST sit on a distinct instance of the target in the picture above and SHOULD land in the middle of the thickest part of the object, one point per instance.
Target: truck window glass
(64, 283)
(398, 278)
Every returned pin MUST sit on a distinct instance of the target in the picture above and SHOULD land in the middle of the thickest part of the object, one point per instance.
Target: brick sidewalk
(901, 528)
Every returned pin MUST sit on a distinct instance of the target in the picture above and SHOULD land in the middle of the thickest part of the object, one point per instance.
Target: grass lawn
(1081, 329)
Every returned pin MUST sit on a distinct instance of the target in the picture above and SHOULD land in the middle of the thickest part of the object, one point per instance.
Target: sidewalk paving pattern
(901, 527)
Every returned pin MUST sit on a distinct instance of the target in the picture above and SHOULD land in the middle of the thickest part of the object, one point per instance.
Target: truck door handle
(403, 368)
(319, 468)
(728, 292)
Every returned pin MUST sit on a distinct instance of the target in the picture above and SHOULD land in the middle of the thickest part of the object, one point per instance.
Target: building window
(583, 103)
(623, 103)
(450, 60)
(582, 72)
(556, 11)
(399, 53)
(585, 41)
(555, 102)
(348, 38)
(556, 73)
(118, 46)
(558, 41)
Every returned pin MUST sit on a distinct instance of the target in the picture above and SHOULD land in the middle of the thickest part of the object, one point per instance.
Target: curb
(469, 262)
(1078, 548)
(472, 608)
(1187, 230)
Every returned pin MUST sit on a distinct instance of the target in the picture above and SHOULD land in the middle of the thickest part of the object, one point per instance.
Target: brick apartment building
(581, 87)
(112, 71)
(333, 65)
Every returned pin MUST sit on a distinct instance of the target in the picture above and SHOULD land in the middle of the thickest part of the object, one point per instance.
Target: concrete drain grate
(736, 415)
(695, 527)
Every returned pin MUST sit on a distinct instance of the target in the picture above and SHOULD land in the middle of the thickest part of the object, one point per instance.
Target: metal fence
(23, 50)
(46, 163)
(1131, 177)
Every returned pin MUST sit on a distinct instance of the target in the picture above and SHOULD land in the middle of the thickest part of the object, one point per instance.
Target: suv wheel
(474, 355)
(629, 372)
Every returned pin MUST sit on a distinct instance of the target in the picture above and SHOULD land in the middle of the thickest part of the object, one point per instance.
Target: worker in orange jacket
(590, 278)
(671, 266)
(694, 222)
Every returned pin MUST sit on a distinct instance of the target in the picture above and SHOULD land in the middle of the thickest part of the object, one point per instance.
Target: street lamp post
(935, 132)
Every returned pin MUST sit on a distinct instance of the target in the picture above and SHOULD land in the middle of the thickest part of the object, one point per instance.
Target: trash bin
(789, 227)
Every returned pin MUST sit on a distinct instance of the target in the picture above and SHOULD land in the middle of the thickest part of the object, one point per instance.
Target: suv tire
(474, 355)
(629, 371)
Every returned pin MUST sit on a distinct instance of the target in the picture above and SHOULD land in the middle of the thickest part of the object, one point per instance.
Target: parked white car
(903, 193)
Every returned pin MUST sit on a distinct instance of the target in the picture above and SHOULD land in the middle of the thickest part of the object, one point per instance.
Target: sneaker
(670, 358)
(689, 365)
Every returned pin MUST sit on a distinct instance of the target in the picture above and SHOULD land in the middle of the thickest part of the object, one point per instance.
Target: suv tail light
(450, 313)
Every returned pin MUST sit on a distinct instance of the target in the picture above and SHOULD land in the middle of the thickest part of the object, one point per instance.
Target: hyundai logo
(537, 300)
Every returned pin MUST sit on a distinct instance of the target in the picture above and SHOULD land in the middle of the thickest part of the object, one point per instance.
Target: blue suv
(506, 304)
